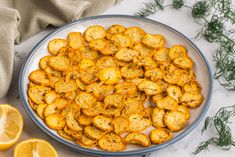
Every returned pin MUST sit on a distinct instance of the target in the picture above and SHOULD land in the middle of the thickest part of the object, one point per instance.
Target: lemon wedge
(35, 148)
(11, 125)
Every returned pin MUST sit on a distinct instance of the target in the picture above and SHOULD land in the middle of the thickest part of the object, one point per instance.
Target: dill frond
(150, 8)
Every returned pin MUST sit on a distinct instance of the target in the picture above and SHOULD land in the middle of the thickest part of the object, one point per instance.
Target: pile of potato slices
(104, 88)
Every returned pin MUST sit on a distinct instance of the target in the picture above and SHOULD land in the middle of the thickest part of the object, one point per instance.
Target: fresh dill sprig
(177, 4)
(220, 123)
(200, 9)
(150, 8)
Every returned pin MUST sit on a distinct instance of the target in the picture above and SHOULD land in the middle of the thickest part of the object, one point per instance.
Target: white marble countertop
(180, 20)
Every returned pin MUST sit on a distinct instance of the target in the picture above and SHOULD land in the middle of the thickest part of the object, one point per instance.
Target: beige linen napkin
(20, 19)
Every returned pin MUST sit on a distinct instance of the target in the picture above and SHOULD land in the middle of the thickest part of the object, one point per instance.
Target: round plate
(201, 69)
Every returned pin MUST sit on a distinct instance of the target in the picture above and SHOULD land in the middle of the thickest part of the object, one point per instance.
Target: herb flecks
(220, 123)
(150, 8)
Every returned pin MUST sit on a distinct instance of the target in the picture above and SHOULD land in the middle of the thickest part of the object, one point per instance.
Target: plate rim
(146, 150)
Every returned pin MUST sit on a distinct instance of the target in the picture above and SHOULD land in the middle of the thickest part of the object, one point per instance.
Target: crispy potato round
(72, 123)
(135, 80)
(120, 124)
(86, 64)
(98, 44)
(55, 121)
(150, 87)
(154, 74)
(137, 138)
(93, 132)
(43, 63)
(122, 40)
(36, 94)
(193, 86)
(63, 87)
(131, 71)
(85, 100)
(60, 63)
(177, 51)
(114, 29)
(174, 92)
(89, 76)
(87, 53)
(158, 117)
(149, 111)
(155, 41)
(191, 99)
(50, 96)
(40, 110)
(146, 61)
(184, 62)
(111, 142)
(136, 34)
(110, 75)
(126, 54)
(63, 134)
(95, 110)
(160, 135)
(100, 91)
(110, 49)
(158, 97)
(103, 122)
(87, 142)
(85, 120)
(55, 45)
(132, 106)
(115, 100)
(184, 110)
(186, 77)
(161, 54)
(75, 40)
(138, 123)
(144, 50)
(167, 103)
(94, 32)
(126, 88)
(106, 61)
(112, 112)
(175, 120)
(39, 77)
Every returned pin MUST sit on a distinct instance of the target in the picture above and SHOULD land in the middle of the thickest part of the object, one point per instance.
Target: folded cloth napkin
(20, 19)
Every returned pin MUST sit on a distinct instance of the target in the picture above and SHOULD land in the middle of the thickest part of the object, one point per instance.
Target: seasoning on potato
(112, 88)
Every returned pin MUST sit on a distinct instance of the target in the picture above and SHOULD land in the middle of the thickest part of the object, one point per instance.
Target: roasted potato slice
(89, 76)
(105, 62)
(138, 123)
(112, 111)
(60, 63)
(154, 74)
(150, 87)
(54, 76)
(167, 103)
(122, 40)
(175, 120)
(191, 99)
(98, 44)
(149, 111)
(111, 142)
(126, 54)
(161, 54)
(193, 86)
(87, 142)
(110, 49)
(85, 64)
(93, 132)
(94, 32)
(177, 51)
(63, 87)
(39, 77)
(50, 96)
(155, 41)
(87, 53)
(55, 45)
(55, 121)
(136, 34)
(146, 61)
(36, 94)
(110, 75)
(137, 138)
(132, 106)
(126, 88)
(139, 96)
(186, 77)
(43, 63)
(160, 135)
(103, 122)
(114, 29)
(75, 40)
(65, 135)
(100, 91)
(72, 123)
(175, 92)
(144, 50)
(184, 62)
(95, 110)
(184, 110)
(135, 80)
(85, 100)
(172, 77)
(158, 97)
(131, 71)
(50, 109)
(115, 100)
(84, 119)
(158, 117)
(40, 110)
(120, 124)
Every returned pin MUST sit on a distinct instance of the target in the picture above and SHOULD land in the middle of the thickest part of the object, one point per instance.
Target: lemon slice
(35, 148)
(11, 125)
